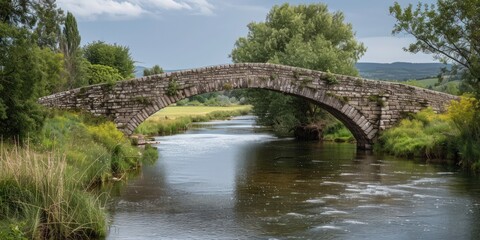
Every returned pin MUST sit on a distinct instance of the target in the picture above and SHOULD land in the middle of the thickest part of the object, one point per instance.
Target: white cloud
(120, 9)
(390, 49)
(203, 6)
(95, 8)
(165, 4)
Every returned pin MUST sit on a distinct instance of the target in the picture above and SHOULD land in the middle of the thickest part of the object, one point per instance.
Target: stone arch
(365, 106)
(353, 119)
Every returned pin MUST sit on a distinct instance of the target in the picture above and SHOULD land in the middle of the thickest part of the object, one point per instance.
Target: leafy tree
(97, 73)
(51, 70)
(152, 71)
(70, 46)
(30, 65)
(307, 36)
(20, 82)
(49, 19)
(115, 56)
(17, 12)
(449, 30)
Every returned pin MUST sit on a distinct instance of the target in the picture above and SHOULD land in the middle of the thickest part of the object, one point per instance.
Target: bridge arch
(331, 104)
(366, 107)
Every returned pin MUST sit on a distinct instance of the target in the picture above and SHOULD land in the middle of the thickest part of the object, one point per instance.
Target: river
(231, 180)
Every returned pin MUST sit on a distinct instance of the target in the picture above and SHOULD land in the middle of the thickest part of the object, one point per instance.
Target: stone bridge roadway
(366, 107)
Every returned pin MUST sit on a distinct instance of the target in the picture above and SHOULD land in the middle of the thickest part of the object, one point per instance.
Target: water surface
(230, 180)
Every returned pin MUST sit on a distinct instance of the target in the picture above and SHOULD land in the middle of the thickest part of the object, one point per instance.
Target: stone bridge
(366, 107)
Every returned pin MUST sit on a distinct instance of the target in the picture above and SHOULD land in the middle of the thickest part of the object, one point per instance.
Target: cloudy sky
(180, 34)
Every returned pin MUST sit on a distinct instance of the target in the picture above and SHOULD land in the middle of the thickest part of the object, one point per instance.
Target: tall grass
(45, 195)
(91, 145)
(43, 185)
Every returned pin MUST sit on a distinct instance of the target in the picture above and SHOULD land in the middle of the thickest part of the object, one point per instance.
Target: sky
(183, 34)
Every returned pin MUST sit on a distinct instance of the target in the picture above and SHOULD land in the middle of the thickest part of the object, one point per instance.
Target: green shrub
(330, 78)
(465, 116)
(92, 145)
(173, 87)
(425, 135)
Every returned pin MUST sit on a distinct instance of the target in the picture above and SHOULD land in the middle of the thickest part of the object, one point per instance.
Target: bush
(426, 134)
(92, 145)
(465, 116)
(453, 135)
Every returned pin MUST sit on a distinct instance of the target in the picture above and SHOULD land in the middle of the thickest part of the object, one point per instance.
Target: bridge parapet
(365, 106)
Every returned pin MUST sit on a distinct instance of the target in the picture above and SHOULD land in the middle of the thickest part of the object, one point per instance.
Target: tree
(307, 36)
(17, 12)
(115, 56)
(70, 46)
(51, 71)
(152, 71)
(97, 73)
(28, 71)
(49, 19)
(20, 83)
(449, 30)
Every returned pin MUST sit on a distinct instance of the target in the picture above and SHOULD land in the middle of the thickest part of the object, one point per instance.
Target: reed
(44, 196)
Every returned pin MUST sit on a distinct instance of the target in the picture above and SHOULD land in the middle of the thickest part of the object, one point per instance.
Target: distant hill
(399, 70)
(139, 71)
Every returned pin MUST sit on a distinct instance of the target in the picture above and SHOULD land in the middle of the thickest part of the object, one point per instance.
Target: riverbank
(45, 183)
(175, 119)
(453, 136)
(230, 180)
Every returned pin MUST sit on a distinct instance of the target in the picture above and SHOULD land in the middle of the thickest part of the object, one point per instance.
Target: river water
(230, 180)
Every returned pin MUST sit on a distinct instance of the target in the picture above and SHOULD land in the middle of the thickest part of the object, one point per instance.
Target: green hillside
(401, 71)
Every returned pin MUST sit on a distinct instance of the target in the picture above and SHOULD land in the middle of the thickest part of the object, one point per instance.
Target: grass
(92, 145)
(184, 111)
(42, 198)
(337, 132)
(172, 120)
(451, 87)
(425, 83)
(45, 183)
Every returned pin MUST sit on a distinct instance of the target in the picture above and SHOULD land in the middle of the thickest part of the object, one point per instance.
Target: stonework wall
(366, 107)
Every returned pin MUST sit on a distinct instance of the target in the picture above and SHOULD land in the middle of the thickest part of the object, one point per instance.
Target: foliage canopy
(152, 71)
(114, 56)
(307, 36)
(449, 30)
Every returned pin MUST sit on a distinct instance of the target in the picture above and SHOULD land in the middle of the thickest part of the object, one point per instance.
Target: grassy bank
(176, 119)
(44, 184)
(454, 135)
(337, 132)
